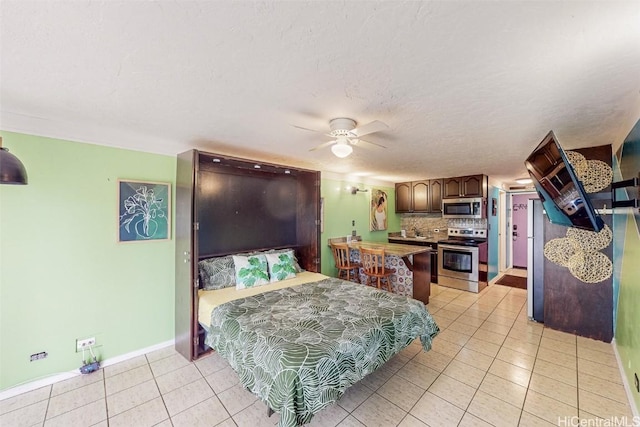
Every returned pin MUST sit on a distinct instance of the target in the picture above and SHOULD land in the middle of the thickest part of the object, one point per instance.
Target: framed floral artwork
(144, 211)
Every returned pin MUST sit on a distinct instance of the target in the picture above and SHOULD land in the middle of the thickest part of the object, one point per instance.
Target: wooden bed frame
(227, 205)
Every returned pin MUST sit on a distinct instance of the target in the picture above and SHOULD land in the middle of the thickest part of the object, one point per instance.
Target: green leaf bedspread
(298, 349)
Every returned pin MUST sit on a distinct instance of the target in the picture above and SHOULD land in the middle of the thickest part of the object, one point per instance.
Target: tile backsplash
(425, 224)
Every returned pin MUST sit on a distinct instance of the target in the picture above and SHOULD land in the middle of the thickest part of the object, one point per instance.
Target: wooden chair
(373, 265)
(347, 270)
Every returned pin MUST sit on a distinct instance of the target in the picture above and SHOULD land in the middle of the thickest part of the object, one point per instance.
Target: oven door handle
(459, 248)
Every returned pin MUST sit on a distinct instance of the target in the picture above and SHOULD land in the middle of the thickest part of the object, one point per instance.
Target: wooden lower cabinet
(421, 276)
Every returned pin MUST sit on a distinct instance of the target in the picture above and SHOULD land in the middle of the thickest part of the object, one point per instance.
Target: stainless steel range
(462, 259)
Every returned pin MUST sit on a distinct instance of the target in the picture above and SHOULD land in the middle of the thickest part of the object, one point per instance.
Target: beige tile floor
(489, 366)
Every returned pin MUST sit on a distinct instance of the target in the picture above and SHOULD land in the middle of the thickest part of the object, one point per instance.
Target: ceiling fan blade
(374, 126)
(310, 130)
(323, 145)
(366, 144)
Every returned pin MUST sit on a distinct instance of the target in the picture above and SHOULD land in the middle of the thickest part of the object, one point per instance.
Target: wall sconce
(355, 190)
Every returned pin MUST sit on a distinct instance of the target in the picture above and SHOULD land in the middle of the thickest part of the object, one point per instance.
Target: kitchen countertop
(434, 238)
(392, 248)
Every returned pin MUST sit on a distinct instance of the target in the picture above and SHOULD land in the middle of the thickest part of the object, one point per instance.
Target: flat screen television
(564, 200)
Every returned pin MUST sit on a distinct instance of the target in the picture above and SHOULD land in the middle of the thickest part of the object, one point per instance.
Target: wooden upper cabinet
(472, 186)
(419, 196)
(452, 188)
(404, 201)
(436, 188)
(426, 196)
(465, 186)
(420, 192)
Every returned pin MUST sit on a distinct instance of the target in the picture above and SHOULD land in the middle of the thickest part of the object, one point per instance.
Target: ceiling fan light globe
(341, 150)
(524, 181)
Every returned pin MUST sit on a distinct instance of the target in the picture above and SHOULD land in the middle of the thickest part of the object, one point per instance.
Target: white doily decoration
(590, 241)
(578, 162)
(579, 250)
(590, 267)
(597, 177)
(560, 250)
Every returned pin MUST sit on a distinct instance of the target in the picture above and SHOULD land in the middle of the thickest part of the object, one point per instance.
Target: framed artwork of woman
(378, 210)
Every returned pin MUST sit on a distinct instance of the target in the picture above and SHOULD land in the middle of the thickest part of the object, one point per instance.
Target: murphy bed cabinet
(227, 205)
(419, 196)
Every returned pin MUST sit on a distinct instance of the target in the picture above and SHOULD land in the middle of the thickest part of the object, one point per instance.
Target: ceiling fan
(347, 135)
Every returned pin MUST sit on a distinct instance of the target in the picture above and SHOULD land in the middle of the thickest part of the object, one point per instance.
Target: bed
(298, 344)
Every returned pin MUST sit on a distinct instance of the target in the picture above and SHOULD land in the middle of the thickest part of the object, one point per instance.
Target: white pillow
(281, 266)
(251, 271)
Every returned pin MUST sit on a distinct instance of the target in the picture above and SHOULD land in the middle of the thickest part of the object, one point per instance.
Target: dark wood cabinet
(221, 209)
(452, 188)
(435, 195)
(474, 186)
(465, 186)
(420, 192)
(404, 199)
(419, 196)
(571, 305)
(421, 271)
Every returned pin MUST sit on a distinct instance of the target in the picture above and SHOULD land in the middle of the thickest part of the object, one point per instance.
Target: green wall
(63, 275)
(341, 207)
(626, 241)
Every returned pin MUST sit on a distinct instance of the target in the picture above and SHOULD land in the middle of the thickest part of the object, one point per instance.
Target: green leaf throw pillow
(251, 271)
(281, 266)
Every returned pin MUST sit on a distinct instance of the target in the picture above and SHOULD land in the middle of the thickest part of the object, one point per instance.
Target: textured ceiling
(465, 87)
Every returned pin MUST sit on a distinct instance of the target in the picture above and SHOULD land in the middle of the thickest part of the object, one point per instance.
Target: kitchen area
(448, 215)
(410, 266)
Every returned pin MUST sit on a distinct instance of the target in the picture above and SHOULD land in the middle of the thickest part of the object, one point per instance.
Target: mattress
(208, 300)
(299, 348)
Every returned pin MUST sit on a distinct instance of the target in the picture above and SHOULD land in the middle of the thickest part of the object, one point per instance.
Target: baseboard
(33, 385)
(627, 386)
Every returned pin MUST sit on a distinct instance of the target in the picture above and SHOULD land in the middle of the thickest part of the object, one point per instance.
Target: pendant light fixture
(12, 170)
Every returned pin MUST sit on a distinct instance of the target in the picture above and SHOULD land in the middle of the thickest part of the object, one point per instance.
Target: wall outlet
(38, 356)
(85, 343)
(635, 376)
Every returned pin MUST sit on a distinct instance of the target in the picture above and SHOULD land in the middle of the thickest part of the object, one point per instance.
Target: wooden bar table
(411, 263)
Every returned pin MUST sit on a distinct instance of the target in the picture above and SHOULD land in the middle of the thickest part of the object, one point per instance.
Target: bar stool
(347, 270)
(373, 265)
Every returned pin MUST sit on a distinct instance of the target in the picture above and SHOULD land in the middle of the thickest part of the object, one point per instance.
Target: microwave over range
(472, 208)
